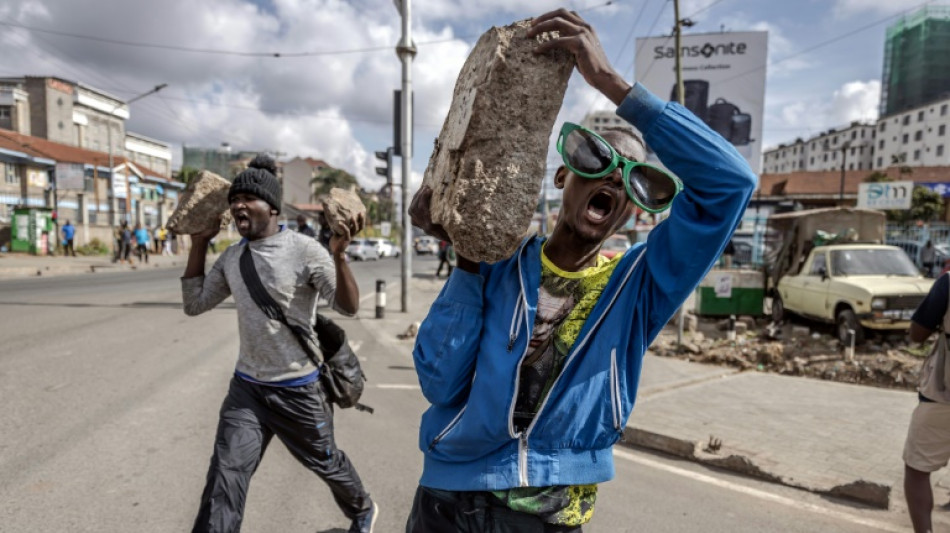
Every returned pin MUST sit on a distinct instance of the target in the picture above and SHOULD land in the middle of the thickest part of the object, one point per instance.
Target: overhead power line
(244, 53)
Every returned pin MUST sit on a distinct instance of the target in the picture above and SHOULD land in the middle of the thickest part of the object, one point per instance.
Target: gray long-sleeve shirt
(295, 270)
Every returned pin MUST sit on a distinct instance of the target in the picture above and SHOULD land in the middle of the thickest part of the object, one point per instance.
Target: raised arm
(202, 292)
(718, 182)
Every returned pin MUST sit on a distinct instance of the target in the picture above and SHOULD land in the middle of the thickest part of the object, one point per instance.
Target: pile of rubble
(794, 349)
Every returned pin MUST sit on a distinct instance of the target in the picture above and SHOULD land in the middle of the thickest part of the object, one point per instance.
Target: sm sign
(886, 195)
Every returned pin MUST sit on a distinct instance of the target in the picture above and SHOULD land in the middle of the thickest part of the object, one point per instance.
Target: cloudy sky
(329, 94)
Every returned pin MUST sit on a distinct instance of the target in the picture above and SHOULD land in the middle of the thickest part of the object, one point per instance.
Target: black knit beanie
(259, 179)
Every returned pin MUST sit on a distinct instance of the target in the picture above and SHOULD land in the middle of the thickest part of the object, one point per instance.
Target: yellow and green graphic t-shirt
(565, 300)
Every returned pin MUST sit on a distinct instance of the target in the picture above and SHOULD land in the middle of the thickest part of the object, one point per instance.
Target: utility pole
(677, 31)
(678, 34)
(406, 50)
(681, 97)
(844, 162)
(111, 192)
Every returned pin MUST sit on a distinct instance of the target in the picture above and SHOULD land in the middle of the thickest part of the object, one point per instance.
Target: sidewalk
(830, 438)
(18, 265)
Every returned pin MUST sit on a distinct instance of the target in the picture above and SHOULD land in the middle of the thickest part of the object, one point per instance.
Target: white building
(852, 146)
(598, 121)
(916, 137)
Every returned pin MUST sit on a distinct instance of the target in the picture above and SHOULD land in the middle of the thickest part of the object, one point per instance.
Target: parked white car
(385, 247)
(362, 250)
(427, 245)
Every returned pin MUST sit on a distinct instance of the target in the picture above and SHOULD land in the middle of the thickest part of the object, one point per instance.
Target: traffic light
(386, 170)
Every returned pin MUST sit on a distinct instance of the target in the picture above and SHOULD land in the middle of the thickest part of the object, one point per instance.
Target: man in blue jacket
(531, 364)
(69, 233)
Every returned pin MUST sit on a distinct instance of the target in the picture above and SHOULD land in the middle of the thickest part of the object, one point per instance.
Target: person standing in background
(69, 232)
(928, 256)
(142, 239)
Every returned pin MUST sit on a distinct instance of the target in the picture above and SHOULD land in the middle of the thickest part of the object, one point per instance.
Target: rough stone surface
(340, 205)
(202, 204)
(488, 163)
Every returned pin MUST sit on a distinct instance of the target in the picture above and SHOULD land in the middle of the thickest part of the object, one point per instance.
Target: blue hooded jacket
(470, 347)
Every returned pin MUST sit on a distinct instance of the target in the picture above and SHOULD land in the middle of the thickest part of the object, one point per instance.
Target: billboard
(723, 82)
(886, 195)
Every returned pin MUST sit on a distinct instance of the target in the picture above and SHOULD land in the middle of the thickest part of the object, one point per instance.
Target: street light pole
(111, 194)
(406, 50)
(844, 162)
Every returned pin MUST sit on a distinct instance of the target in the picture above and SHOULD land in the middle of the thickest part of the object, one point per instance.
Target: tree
(186, 174)
(329, 178)
(925, 205)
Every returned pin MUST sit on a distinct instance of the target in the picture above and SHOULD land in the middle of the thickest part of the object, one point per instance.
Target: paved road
(109, 403)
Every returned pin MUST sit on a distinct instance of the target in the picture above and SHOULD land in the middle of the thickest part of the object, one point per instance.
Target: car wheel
(778, 309)
(846, 321)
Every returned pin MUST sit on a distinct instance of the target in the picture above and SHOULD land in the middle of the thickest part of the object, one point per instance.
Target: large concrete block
(488, 163)
(201, 205)
(340, 205)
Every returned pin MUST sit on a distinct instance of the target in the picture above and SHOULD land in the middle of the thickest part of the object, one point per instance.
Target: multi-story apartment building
(298, 175)
(75, 114)
(150, 153)
(598, 121)
(916, 137)
(852, 146)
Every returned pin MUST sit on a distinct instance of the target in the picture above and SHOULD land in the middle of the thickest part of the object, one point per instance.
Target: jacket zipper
(447, 428)
(523, 442)
(523, 459)
(615, 390)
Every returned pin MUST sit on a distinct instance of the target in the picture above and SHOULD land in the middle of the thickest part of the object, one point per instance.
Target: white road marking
(882, 526)
(397, 386)
(355, 346)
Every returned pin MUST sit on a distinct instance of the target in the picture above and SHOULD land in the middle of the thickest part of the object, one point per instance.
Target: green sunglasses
(588, 155)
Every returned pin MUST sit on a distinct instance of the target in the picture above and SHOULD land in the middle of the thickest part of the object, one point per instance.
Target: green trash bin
(731, 292)
(33, 230)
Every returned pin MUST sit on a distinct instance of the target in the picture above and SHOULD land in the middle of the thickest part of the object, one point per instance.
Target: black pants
(68, 248)
(250, 416)
(438, 511)
(443, 261)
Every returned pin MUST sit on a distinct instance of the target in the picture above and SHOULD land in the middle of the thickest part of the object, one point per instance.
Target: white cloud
(806, 115)
(856, 100)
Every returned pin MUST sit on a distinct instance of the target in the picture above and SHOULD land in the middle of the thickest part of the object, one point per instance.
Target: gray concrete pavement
(826, 437)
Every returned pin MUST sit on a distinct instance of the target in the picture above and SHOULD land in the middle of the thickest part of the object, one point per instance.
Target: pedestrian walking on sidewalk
(275, 388)
(306, 229)
(69, 233)
(165, 241)
(142, 240)
(928, 257)
(443, 259)
(123, 243)
(157, 235)
(531, 364)
(927, 448)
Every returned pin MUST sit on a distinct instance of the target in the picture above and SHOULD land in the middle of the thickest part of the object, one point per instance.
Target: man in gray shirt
(275, 389)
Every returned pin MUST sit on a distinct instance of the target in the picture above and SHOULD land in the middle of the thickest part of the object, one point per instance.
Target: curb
(14, 272)
(873, 494)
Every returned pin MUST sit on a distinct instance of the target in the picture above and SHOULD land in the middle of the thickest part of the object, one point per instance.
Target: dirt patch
(798, 349)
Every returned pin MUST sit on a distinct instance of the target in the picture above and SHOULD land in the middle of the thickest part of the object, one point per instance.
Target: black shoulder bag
(340, 372)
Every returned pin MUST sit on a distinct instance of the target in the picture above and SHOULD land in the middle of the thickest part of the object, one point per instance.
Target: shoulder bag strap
(266, 302)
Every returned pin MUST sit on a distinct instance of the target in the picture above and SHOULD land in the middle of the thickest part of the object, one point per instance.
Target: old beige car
(854, 286)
